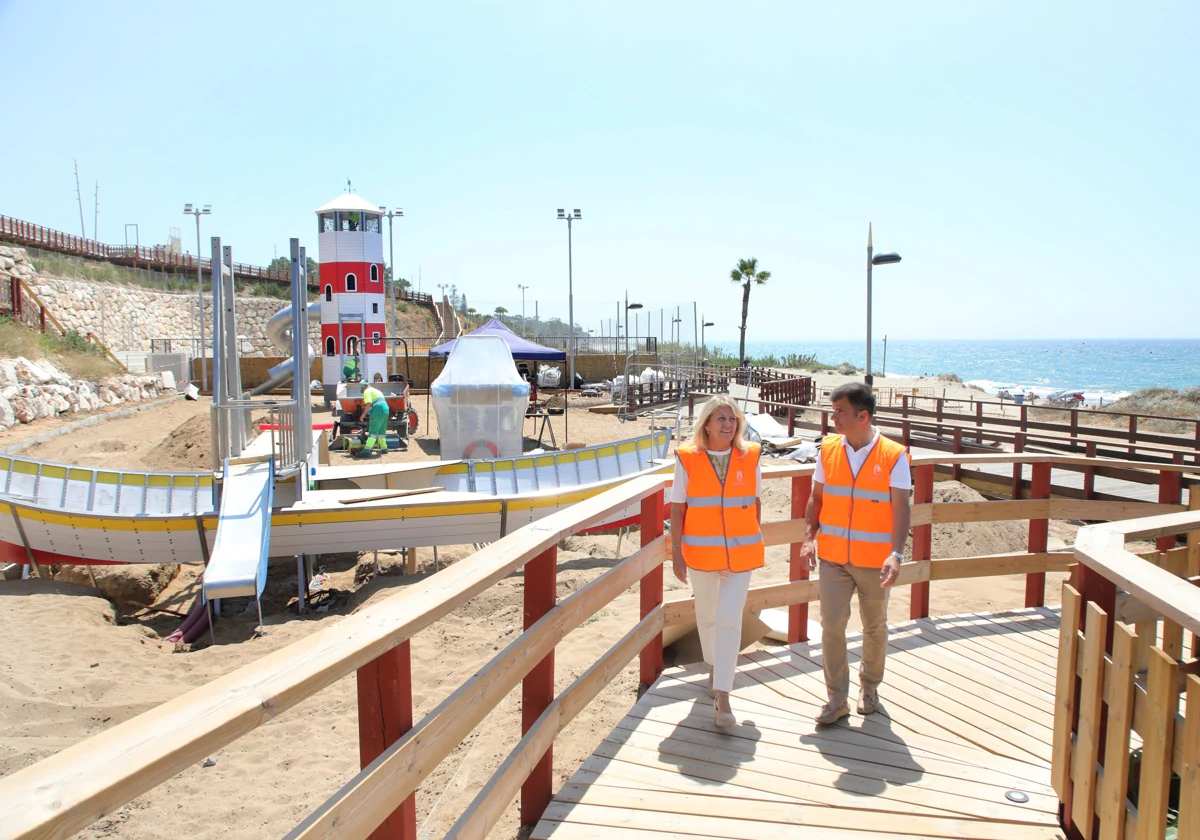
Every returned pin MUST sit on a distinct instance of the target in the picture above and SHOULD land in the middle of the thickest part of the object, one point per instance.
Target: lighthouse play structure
(350, 249)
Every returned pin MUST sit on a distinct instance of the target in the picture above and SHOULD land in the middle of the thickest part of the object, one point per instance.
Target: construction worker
(350, 369)
(375, 413)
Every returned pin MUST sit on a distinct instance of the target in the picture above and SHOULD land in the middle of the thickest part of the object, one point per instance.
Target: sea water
(1100, 368)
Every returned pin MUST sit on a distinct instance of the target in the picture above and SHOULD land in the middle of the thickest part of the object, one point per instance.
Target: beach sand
(74, 667)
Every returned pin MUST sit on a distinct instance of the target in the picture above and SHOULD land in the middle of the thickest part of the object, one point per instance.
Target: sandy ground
(82, 667)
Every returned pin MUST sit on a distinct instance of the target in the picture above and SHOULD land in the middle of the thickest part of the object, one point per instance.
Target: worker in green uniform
(375, 411)
(350, 369)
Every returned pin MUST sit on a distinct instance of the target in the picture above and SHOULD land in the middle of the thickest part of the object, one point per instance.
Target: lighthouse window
(330, 346)
(371, 223)
(351, 283)
(375, 338)
(350, 221)
(328, 292)
(326, 223)
(374, 273)
(374, 308)
(352, 345)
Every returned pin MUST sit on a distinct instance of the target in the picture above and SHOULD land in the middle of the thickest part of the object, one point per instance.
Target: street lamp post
(391, 214)
(872, 260)
(573, 216)
(629, 306)
(703, 343)
(198, 211)
(524, 330)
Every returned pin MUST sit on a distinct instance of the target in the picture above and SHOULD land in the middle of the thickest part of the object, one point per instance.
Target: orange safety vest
(720, 528)
(856, 512)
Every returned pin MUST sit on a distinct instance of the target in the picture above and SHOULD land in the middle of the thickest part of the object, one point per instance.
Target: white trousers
(720, 602)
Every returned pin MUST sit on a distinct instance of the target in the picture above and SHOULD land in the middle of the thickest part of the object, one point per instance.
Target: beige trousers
(836, 584)
(720, 601)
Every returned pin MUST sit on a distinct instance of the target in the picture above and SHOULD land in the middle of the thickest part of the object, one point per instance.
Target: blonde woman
(716, 537)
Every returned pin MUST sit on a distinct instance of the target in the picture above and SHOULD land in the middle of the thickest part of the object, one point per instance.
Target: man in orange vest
(859, 505)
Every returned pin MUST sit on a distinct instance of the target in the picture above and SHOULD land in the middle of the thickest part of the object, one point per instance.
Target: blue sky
(1034, 163)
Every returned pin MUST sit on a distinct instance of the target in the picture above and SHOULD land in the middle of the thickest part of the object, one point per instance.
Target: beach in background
(1105, 369)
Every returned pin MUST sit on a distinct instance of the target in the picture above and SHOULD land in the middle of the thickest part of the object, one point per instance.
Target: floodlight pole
(200, 210)
(570, 304)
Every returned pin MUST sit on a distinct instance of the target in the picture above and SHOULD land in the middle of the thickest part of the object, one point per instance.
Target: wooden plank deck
(965, 718)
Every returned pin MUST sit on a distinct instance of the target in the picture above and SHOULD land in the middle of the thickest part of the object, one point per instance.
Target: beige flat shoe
(831, 713)
(724, 719)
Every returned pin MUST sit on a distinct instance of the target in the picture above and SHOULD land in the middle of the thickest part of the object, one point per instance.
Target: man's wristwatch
(899, 557)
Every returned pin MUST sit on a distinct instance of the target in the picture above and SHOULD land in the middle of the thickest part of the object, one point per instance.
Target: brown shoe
(868, 701)
(832, 712)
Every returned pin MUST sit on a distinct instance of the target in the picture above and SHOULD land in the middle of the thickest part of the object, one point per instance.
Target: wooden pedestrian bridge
(1065, 722)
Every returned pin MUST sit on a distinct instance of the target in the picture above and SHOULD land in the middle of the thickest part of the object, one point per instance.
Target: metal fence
(232, 430)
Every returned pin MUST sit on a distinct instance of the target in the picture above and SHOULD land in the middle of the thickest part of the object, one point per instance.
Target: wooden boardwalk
(964, 729)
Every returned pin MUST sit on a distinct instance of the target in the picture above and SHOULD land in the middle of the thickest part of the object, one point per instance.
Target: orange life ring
(491, 447)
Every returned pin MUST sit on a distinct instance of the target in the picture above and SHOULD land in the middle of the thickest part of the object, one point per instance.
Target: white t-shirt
(900, 479)
(680, 483)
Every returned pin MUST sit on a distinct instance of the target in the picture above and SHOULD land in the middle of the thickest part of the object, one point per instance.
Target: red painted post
(1074, 429)
(824, 422)
(385, 713)
(537, 689)
(797, 568)
(1018, 447)
(1089, 472)
(650, 591)
(791, 417)
(904, 405)
(906, 433)
(1024, 418)
(956, 470)
(691, 406)
(1039, 537)
(1132, 433)
(979, 422)
(1170, 492)
(922, 541)
(940, 405)
(42, 318)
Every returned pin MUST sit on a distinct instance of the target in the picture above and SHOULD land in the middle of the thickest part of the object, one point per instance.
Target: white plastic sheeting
(480, 400)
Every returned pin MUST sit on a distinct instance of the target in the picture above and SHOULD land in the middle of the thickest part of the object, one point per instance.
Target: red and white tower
(350, 247)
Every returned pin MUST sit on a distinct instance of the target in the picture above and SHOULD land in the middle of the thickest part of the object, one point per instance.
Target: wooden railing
(681, 381)
(937, 406)
(1126, 754)
(959, 432)
(64, 793)
(27, 233)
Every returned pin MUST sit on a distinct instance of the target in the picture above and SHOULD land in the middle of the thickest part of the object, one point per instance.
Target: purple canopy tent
(522, 349)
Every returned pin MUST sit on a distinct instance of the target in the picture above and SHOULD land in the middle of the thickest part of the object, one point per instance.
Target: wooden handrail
(71, 789)
(364, 801)
(1102, 547)
(65, 792)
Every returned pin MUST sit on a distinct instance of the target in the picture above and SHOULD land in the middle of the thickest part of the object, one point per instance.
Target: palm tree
(746, 273)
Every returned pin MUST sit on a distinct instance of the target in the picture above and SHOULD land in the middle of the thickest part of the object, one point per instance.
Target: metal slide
(238, 565)
(279, 330)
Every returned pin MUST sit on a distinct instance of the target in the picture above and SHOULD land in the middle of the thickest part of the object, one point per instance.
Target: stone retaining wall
(126, 318)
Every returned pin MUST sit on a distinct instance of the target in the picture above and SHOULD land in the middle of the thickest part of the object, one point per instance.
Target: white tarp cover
(480, 400)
